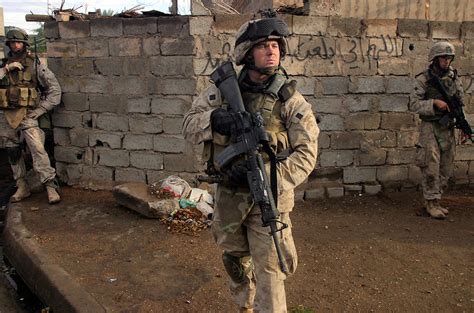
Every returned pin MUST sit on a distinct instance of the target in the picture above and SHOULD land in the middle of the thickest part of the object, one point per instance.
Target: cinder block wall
(128, 82)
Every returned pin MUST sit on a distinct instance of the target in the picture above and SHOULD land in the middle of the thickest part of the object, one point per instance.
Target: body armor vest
(19, 88)
(449, 83)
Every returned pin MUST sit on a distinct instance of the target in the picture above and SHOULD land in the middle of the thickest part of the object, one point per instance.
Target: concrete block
(467, 30)
(353, 175)
(145, 124)
(173, 26)
(399, 84)
(61, 136)
(170, 144)
(105, 139)
(336, 158)
(378, 138)
(324, 141)
(138, 105)
(394, 66)
(75, 101)
(51, 30)
(335, 192)
(397, 121)
(392, 173)
(344, 26)
(335, 85)
(138, 142)
(107, 103)
(106, 27)
(130, 175)
(175, 105)
(353, 189)
(107, 157)
(172, 125)
(461, 169)
(374, 157)
(445, 30)
(93, 84)
(326, 104)
(358, 103)
(177, 46)
(296, 66)
(345, 140)
(172, 86)
(394, 104)
(401, 156)
(381, 27)
(90, 47)
(79, 137)
(109, 66)
(331, 174)
(200, 25)
(67, 119)
(61, 49)
(310, 25)
(136, 66)
(331, 122)
(226, 23)
(77, 67)
(314, 194)
(69, 154)
(418, 50)
(127, 85)
(385, 46)
(97, 173)
(172, 66)
(124, 46)
(140, 26)
(372, 189)
(74, 29)
(321, 67)
(179, 163)
(366, 85)
(464, 153)
(304, 85)
(112, 122)
(146, 160)
(151, 46)
(407, 138)
(412, 28)
(361, 121)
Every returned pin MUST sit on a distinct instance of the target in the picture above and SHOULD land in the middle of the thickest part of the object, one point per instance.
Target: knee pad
(14, 155)
(236, 267)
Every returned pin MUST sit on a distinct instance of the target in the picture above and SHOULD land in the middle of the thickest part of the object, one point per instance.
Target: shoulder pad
(287, 90)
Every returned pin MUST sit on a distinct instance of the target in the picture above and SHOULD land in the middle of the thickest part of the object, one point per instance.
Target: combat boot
(53, 195)
(433, 210)
(440, 207)
(22, 192)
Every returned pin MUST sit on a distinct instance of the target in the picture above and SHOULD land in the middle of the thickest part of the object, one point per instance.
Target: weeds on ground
(302, 309)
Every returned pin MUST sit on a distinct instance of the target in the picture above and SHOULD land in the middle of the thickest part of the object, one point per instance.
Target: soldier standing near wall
(250, 258)
(436, 147)
(28, 90)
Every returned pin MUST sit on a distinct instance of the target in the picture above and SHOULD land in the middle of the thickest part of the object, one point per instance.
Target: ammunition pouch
(14, 97)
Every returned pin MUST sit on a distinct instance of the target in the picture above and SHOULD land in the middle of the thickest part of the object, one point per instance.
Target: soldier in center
(249, 254)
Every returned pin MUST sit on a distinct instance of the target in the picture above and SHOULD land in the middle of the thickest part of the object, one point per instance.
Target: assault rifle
(248, 137)
(455, 109)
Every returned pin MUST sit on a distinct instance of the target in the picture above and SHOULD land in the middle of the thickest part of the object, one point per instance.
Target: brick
(394, 66)
(358, 103)
(61, 136)
(74, 29)
(124, 47)
(200, 25)
(399, 84)
(401, 156)
(75, 101)
(107, 27)
(51, 30)
(130, 175)
(335, 85)
(136, 66)
(394, 104)
(326, 104)
(177, 46)
(61, 49)
(392, 173)
(412, 28)
(372, 189)
(345, 140)
(97, 173)
(146, 124)
(112, 122)
(91, 47)
(105, 139)
(314, 193)
(67, 119)
(331, 122)
(79, 137)
(109, 66)
(170, 144)
(151, 45)
(68, 154)
(379, 138)
(171, 105)
(347, 26)
(93, 84)
(173, 26)
(397, 121)
(140, 26)
(464, 153)
(364, 120)
(172, 125)
(374, 157)
(445, 30)
(310, 25)
(354, 175)
(107, 157)
(127, 85)
(171, 66)
(336, 158)
(138, 142)
(381, 27)
(173, 86)
(138, 105)
(335, 192)
(366, 85)
(146, 160)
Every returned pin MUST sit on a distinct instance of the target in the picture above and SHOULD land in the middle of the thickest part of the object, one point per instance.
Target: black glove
(221, 121)
(237, 172)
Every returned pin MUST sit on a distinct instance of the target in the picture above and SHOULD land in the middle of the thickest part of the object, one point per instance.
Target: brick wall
(128, 82)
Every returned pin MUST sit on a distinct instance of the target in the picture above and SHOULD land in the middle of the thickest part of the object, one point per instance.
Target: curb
(50, 282)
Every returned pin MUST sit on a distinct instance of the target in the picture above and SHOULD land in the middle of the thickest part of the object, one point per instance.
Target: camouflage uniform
(39, 91)
(436, 146)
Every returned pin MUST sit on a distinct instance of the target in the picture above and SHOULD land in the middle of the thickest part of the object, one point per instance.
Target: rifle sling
(273, 172)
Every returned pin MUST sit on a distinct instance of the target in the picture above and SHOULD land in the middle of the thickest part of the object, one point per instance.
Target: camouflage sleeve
(418, 103)
(303, 138)
(197, 121)
(51, 94)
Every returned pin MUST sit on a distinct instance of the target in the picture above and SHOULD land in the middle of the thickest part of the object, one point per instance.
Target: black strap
(273, 172)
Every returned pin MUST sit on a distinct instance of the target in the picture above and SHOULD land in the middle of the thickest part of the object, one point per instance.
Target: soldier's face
(16, 46)
(444, 61)
(266, 54)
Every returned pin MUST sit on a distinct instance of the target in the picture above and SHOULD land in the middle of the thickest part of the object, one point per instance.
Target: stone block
(394, 104)
(127, 85)
(407, 138)
(331, 122)
(146, 160)
(61, 49)
(353, 175)
(345, 140)
(401, 156)
(140, 26)
(130, 175)
(310, 25)
(173, 86)
(366, 85)
(163, 66)
(392, 173)
(97, 173)
(177, 46)
(137, 66)
(151, 46)
(108, 157)
(319, 67)
(353, 189)
(334, 85)
(372, 189)
(226, 23)
(61, 136)
(93, 84)
(138, 105)
(69, 154)
(399, 84)
(176, 105)
(412, 28)
(75, 101)
(397, 121)
(109, 66)
(314, 193)
(464, 153)
(90, 47)
(467, 30)
(335, 192)
(67, 119)
(79, 137)
(138, 142)
(324, 141)
(107, 103)
(74, 29)
(394, 66)
(445, 30)
(381, 27)
(326, 104)
(384, 47)
(169, 144)
(344, 26)
(336, 158)
(124, 46)
(378, 138)
(105, 139)
(112, 122)
(358, 103)
(179, 163)
(172, 125)
(145, 124)
(174, 26)
(51, 30)
(361, 121)
(200, 25)
(373, 157)
(107, 27)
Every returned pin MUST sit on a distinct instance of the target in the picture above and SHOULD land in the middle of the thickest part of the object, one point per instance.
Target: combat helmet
(258, 30)
(17, 34)
(439, 49)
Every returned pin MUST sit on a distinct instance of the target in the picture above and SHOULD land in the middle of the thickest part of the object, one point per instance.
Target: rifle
(248, 137)
(455, 109)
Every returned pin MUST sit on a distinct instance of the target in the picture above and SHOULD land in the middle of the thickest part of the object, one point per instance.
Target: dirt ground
(356, 254)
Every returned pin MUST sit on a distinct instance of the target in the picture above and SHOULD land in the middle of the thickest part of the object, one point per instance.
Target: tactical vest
(449, 83)
(19, 88)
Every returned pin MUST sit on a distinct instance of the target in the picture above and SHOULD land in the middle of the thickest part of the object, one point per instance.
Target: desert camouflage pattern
(436, 146)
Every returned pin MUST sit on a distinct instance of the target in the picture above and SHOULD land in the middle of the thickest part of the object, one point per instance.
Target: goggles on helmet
(264, 28)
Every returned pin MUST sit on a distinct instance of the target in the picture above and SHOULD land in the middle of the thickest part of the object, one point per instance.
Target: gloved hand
(36, 113)
(237, 173)
(13, 66)
(221, 121)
